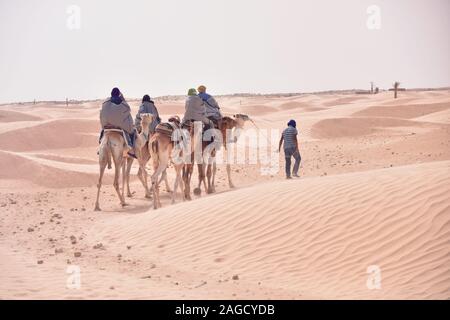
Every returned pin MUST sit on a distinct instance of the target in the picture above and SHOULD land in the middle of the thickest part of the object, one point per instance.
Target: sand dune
(171, 109)
(311, 238)
(253, 110)
(314, 237)
(351, 127)
(373, 191)
(13, 116)
(342, 101)
(403, 111)
(18, 167)
(66, 159)
(51, 135)
(298, 105)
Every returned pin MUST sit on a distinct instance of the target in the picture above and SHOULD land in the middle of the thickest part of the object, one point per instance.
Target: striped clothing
(289, 135)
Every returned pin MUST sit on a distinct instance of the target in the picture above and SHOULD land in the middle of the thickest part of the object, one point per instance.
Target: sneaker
(296, 176)
(288, 177)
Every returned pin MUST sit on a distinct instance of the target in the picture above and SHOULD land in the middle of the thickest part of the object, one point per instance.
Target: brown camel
(162, 151)
(209, 160)
(112, 145)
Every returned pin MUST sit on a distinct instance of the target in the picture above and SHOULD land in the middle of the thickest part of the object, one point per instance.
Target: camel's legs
(201, 175)
(230, 183)
(124, 179)
(209, 176)
(102, 171)
(178, 172)
(159, 166)
(166, 181)
(129, 164)
(142, 174)
(178, 182)
(187, 174)
(214, 175)
(163, 177)
(139, 174)
(143, 156)
(117, 167)
(144, 178)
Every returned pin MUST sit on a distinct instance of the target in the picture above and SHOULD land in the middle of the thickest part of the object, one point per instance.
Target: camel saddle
(167, 128)
(108, 128)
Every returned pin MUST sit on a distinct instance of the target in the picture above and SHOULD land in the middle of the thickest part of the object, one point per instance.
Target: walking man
(289, 137)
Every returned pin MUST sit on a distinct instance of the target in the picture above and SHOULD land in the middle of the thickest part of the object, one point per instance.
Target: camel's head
(241, 119)
(175, 119)
(146, 121)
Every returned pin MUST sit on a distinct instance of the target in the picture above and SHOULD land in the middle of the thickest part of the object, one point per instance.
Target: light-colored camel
(143, 156)
(209, 161)
(188, 167)
(161, 151)
(113, 146)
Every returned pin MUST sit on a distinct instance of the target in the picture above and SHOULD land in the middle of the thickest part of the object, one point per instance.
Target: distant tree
(396, 85)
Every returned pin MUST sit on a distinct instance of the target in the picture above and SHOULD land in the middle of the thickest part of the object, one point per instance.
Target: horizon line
(237, 94)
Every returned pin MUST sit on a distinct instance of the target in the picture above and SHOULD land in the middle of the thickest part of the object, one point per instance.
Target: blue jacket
(211, 105)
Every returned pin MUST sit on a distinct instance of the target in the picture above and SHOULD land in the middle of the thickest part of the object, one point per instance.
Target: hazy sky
(164, 47)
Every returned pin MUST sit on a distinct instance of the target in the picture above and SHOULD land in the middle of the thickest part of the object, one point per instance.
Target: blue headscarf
(204, 96)
(146, 98)
(116, 96)
(292, 123)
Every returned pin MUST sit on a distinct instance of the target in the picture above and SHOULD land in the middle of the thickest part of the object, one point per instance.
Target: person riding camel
(116, 114)
(195, 108)
(211, 105)
(147, 106)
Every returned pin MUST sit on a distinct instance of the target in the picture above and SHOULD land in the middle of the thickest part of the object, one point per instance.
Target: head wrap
(146, 98)
(292, 123)
(115, 92)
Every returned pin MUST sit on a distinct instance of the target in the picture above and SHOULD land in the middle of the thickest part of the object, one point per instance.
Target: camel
(161, 149)
(113, 145)
(142, 154)
(188, 168)
(209, 160)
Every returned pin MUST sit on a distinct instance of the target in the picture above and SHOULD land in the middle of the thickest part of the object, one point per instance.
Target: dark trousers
(288, 153)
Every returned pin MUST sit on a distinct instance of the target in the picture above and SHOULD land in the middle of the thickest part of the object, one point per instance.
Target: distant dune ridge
(373, 192)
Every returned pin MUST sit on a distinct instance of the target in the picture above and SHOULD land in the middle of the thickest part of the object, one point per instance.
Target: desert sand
(374, 190)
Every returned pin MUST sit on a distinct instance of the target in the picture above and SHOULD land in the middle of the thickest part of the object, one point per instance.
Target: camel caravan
(179, 143)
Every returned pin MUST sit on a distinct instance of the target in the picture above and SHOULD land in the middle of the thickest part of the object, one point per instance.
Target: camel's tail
(155, 146)
(104, 152)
